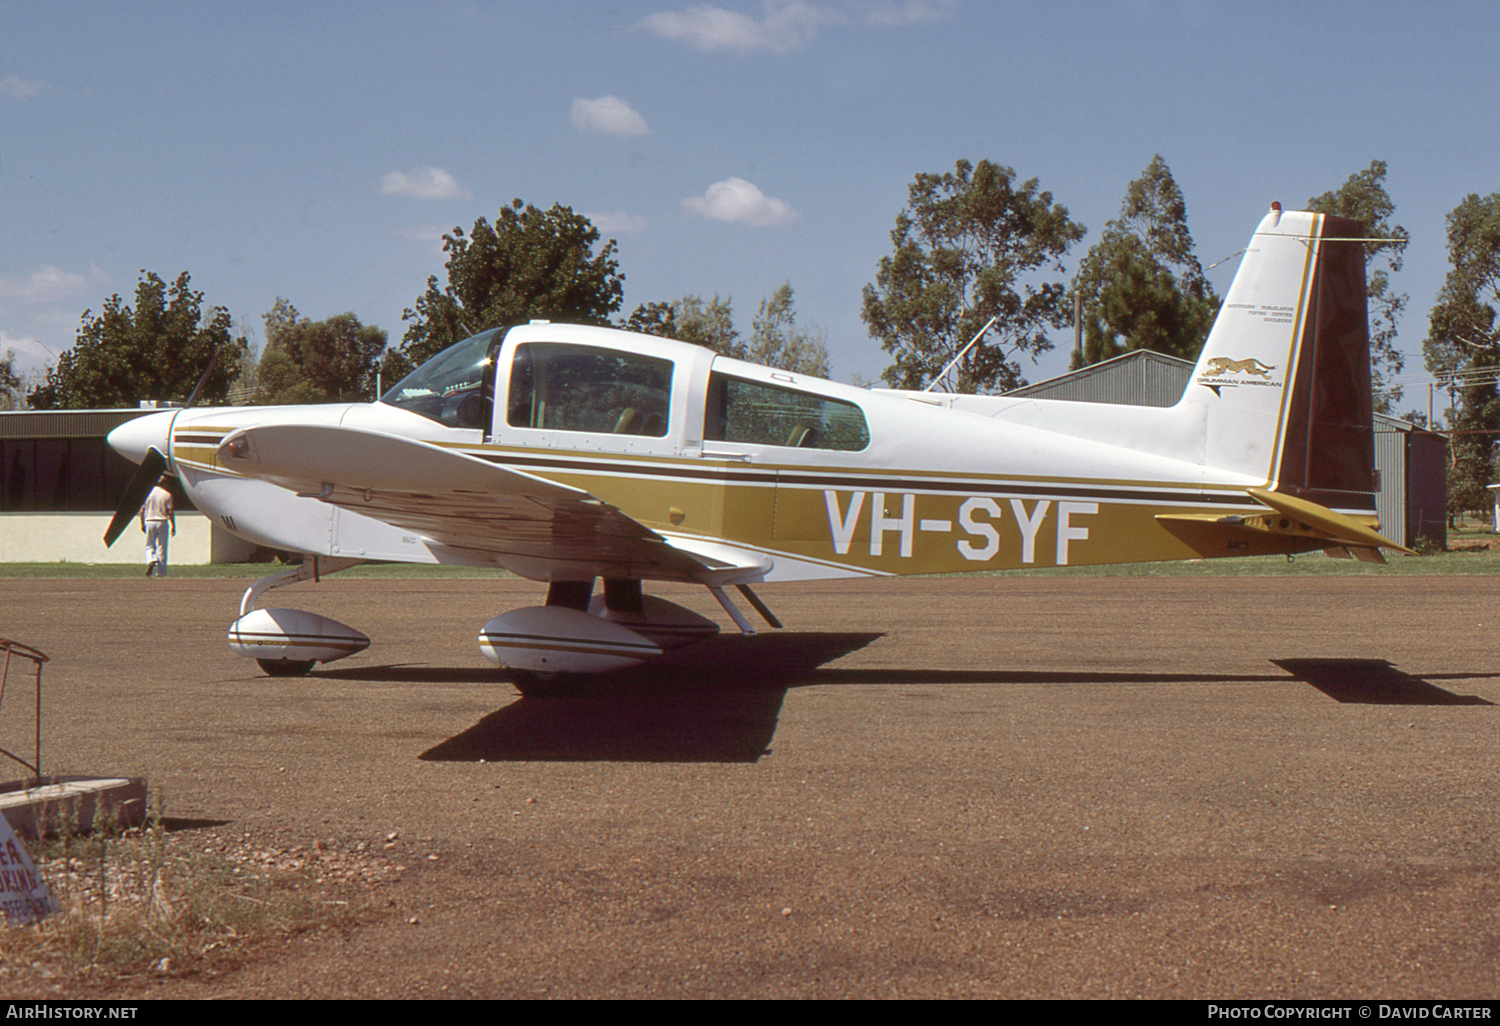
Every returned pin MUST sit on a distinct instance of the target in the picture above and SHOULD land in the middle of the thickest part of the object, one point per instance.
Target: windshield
(455, 387)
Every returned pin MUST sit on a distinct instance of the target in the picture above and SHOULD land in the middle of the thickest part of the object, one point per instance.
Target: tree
(708, 324)
(1140, 286)
(318, 361)
(10, 382)
(968, 247)
(777, 341)
(529, 264)
(775, 338)
(652, 319)
(157, 349)
(1363, 198)
(1463, 347)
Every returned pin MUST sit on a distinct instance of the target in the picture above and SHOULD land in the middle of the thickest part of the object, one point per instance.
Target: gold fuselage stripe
(926, 521)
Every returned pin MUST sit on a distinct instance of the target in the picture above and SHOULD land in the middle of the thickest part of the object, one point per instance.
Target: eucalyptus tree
(156, 349)
(305, 361)
(529, 264)
(1140, 286)
(10, 382)
(971, 244)
(776, 339)
(1463, 347)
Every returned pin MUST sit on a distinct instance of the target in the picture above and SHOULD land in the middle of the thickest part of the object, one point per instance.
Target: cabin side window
(757, 413)
(559, 387)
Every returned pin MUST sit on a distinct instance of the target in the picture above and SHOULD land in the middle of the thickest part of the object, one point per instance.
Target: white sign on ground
(24, 897)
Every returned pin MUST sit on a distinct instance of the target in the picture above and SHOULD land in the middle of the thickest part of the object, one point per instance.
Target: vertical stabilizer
(1283, 384)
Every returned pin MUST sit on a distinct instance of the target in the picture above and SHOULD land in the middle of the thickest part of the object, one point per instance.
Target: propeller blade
(134, 496)
(212, 360)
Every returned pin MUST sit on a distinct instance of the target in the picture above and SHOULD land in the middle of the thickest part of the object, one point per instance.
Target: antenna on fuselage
(962, 353)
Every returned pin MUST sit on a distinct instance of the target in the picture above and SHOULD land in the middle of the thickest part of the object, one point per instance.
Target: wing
(466, 505)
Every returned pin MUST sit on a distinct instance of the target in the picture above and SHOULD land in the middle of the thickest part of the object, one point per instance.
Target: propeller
(153, 464)
(141, 482)
(212, 360)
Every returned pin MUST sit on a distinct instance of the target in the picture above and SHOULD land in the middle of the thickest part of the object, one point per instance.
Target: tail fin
(1283, 383)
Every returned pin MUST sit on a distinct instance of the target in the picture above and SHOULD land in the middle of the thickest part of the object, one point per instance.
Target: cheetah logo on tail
(1224, 365)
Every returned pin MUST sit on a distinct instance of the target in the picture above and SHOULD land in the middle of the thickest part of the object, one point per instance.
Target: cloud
(430, 235)
(619, 222)
(18, 88)
(787, 24)
(739, 201)
(31, 357)
(880, 13)
(425, 183)
(609, 115)
(50, 284)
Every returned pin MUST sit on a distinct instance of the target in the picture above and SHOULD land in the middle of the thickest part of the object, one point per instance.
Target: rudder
(1283, 383)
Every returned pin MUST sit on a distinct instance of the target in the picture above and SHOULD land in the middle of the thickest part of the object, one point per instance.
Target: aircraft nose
(134, 437)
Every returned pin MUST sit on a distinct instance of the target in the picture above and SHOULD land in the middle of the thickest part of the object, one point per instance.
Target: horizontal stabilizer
(1296, 525)
(1330, 522)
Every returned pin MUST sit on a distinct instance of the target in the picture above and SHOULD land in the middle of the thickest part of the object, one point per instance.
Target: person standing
(156, 516)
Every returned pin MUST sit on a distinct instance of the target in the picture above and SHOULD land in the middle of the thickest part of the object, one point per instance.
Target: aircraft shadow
(414, 673)
(720, 700)
(790, 660)
(1371, 682)
(1350, 681)
(717, 701)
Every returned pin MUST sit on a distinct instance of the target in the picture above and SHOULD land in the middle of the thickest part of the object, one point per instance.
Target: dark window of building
(65, 475)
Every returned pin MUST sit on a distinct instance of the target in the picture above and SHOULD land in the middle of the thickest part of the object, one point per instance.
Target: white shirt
(158, 505)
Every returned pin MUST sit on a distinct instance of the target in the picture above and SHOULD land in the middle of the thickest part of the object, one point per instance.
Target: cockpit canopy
(455, 387)
(760, 413)
(603, 389)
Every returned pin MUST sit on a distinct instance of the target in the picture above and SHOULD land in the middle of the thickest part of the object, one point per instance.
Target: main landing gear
(549, 649)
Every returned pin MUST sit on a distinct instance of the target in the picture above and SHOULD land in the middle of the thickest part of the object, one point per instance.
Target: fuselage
(822, 479)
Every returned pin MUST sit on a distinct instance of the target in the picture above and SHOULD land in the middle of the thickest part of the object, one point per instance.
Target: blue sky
(317, 151)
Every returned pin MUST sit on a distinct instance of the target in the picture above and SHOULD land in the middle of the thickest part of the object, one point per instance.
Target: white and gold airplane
(568, 454)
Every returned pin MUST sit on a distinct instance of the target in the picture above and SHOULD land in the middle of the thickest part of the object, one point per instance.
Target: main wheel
(286, 667)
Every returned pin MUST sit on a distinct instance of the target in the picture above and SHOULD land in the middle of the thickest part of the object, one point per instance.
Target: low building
(59, 483)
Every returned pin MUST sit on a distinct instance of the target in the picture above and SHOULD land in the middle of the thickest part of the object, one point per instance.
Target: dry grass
(154, 902)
